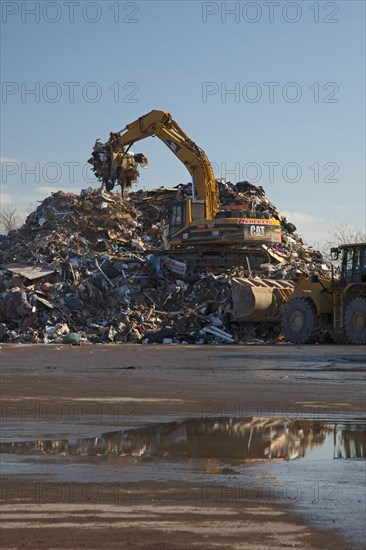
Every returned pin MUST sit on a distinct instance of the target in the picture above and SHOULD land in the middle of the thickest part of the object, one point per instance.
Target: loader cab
(353, 264)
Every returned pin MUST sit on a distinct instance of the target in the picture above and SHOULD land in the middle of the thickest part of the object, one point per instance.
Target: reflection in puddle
(235, 438)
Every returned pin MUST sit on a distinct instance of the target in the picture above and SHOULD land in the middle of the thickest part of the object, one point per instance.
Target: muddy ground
(68, 411)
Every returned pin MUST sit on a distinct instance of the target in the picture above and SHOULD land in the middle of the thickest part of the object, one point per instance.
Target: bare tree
(9, 218)
(343, 234)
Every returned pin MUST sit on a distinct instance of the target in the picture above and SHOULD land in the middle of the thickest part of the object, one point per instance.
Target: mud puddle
(234, 441)
(316, 467)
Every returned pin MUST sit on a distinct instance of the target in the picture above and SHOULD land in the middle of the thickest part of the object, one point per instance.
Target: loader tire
(300, 321)
(355, 321)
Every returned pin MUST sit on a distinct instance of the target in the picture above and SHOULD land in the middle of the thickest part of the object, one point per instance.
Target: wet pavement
(318, 467)
(219, 427)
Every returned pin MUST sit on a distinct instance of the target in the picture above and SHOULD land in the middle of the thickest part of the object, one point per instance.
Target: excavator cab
(177, 216)
(182, 213)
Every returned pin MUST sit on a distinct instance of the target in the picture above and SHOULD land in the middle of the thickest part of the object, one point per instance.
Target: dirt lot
(72, 498)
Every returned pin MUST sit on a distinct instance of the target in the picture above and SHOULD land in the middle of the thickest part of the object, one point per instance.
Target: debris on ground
(89, 268)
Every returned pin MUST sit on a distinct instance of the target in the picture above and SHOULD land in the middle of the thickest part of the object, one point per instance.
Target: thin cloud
(6, 159)
(6, 198)
(313, 229)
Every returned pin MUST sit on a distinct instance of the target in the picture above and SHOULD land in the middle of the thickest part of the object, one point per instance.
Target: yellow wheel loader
(335, 305)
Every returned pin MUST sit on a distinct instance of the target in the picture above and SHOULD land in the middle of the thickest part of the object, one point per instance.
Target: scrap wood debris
(89, 268)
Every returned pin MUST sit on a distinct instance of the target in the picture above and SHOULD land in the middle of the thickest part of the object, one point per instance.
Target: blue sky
(305, 145)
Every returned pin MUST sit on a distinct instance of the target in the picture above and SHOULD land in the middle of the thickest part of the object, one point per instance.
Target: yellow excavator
(195, 223)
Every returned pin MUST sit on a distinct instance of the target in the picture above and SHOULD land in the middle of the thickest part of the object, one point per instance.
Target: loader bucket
(256, 300)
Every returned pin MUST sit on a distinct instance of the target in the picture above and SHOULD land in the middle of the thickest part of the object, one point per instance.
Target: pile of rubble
(87, 268)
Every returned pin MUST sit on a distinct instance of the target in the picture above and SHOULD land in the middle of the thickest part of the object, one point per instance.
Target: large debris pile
(87, 268)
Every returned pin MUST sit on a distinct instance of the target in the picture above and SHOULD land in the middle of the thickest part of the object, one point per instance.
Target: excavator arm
(160, 124)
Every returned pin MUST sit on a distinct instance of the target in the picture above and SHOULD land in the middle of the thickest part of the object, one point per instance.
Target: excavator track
(196, 259)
